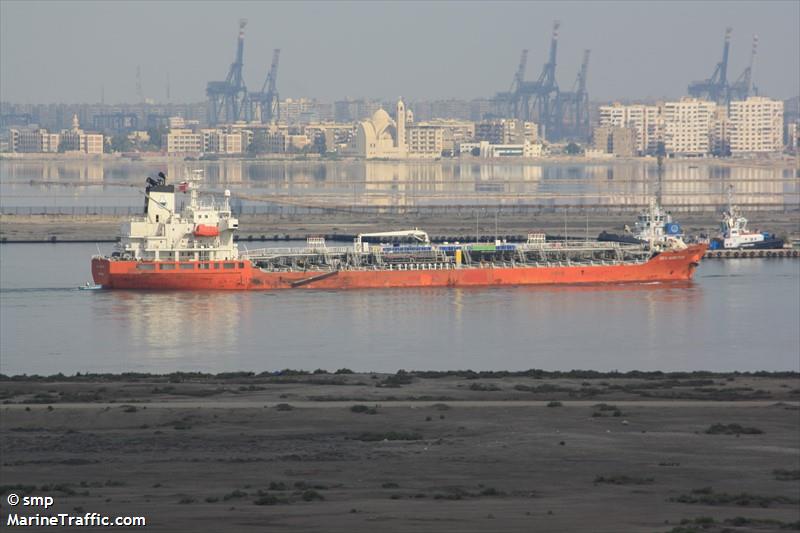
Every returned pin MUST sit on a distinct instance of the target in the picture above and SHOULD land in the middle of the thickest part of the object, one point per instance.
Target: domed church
(382, 137)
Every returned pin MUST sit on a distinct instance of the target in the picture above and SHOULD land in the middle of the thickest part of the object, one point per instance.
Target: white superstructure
(202, 231)
(655, 227)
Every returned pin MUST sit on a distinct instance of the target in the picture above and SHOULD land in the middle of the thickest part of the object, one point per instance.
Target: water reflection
(172, 325)
(419, 183)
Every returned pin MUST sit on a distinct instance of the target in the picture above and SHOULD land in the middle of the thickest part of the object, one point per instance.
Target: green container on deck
(482, 247)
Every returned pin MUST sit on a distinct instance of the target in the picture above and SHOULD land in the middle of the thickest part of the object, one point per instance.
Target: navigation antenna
(659, 175)
(730, 198)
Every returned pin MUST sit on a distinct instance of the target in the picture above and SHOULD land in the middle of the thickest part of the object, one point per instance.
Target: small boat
(89, 287)
(734, 234)
(654, 227)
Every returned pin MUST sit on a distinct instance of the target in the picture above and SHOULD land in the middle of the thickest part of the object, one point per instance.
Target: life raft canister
(203, 230)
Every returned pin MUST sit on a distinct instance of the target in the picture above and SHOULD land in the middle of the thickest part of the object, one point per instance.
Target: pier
(750, 254)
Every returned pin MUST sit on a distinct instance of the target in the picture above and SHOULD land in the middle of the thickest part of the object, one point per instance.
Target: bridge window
(145, 266)
(204, 266)
(241, 265)
(187, 266)
(167, 266)
(216, 265)
(229, 265)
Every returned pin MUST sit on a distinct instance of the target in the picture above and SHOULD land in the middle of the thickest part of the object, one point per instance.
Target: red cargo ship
(194, 249)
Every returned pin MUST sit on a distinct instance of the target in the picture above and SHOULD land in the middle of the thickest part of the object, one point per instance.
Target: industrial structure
(264, 104)
(560, 114)
(227, 100)
(717, 88)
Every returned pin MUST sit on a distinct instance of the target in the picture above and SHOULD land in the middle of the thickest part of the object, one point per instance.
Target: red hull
(241, 275)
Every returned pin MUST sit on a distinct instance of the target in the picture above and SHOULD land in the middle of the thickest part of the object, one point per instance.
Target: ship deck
(447, 256)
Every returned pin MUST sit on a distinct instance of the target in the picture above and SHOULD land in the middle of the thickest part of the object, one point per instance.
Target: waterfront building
(184, 141)
(645, 121)
(424, 142)
(721, 133)
(231, 139)
(77, 140)
(39, 140)
(487, 150)
(792, 134)
(380, 136)
(32, 140)
(453, 131)
(688, 125)
(280, 141)
(506, 131)
(330, 136)
(616, 140)
(756, 126)
(221, 142)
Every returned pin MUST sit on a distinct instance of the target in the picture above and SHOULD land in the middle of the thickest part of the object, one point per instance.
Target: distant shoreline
(247, 375)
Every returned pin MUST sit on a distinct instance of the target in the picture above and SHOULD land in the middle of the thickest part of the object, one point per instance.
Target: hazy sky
(64, 51)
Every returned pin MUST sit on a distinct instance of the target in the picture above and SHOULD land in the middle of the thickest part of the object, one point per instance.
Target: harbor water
(736, 315)
(112, 185)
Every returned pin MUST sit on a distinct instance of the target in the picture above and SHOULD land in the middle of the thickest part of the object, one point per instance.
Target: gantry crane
(264, 104)
(227, 100)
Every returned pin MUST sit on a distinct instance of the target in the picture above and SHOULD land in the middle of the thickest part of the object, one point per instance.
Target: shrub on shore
(361, 408)
(484, 387)
(732, 429)
(390, 435)
(707, 496)
(624, 480)
(786, 475)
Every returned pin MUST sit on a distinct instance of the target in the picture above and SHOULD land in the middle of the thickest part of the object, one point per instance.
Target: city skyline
(424, 52)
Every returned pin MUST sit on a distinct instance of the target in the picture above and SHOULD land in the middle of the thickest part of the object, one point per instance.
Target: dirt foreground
(428, 452)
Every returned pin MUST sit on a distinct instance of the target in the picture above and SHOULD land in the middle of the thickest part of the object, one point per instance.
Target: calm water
(114, 183)
(736, 315)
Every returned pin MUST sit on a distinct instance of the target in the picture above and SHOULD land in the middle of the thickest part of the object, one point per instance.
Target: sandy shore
(99, 227)
(456, 453)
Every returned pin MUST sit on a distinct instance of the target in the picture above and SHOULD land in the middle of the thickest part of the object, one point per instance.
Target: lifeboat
(203, 230)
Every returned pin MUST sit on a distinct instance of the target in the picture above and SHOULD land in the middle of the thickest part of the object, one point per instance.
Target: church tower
(401, 126)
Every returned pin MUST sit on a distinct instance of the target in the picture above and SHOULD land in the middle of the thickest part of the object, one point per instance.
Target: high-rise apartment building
(688, 127)
(645, 121)
(756, 125)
